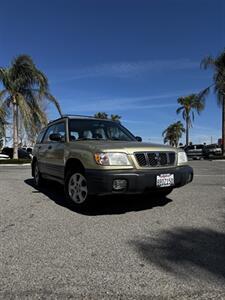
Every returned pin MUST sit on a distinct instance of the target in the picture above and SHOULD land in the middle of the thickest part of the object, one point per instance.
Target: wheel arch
(73, 163)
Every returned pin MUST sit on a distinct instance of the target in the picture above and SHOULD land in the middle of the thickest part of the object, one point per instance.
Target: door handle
(39, 147)
(49, 147)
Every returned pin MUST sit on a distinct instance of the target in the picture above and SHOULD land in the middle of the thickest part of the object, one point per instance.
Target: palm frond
(25, 111)
(101, 115)
(3, 93)
(207, 62)
(115, 118)
(204, 93)
(180, 109)
(52, 99)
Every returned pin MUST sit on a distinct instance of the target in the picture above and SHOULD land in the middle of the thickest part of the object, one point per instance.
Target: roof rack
(75, 116)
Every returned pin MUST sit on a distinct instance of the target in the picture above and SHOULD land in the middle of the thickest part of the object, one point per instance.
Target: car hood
(123, 146)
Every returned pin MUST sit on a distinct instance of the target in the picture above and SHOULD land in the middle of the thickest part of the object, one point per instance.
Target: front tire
(76, 188)
(38, 180)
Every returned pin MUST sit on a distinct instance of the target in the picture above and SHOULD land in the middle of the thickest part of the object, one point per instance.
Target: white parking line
(210, 175)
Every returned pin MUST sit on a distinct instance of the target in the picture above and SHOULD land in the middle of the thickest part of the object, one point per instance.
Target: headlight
(112, 159)
(182, 158)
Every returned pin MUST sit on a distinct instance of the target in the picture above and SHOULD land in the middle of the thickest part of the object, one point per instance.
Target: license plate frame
(164, 180)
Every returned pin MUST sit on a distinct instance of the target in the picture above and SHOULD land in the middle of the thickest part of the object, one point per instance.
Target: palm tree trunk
(15, 129)
(187, 132)
(223, 126)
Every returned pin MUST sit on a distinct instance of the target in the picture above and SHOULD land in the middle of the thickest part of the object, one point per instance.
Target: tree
(2, 133)
(104, 116)
(101, 115)
(173, 133)
(25, 89)
(218, 66)
(2, 126)
(189, 105)
(115, 118)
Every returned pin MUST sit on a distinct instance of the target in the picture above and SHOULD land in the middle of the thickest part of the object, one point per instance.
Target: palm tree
(173, 133)
(218, 66)
(104, 116)
(115, 118)
(2, 125)
(25, 89)
(189, 105)
(101, 115)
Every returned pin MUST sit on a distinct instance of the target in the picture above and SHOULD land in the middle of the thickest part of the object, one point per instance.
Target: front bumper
(100, 182)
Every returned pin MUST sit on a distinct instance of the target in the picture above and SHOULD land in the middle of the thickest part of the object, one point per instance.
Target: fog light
(119, 184)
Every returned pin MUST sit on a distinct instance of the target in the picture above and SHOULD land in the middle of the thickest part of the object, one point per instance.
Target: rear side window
(40, 137)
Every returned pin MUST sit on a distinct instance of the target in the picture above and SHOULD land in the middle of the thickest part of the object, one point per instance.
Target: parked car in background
(212, 150)
(22, 154)
(28, 149)
(4, 156)
(195, 151)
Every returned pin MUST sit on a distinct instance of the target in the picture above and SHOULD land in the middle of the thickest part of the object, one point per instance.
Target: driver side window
(57, 128)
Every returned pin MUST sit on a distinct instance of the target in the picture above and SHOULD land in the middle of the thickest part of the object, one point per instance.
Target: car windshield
(98, 130)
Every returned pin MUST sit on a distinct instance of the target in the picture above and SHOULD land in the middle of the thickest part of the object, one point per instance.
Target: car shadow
(104, 205)
(185, 252)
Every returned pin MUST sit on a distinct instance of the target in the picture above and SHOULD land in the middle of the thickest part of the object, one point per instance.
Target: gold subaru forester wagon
(92, 156)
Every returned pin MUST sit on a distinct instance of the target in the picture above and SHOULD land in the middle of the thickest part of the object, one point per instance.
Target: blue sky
(132, 58)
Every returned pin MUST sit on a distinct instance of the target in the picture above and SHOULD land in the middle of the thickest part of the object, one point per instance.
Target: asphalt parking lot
(120, 248)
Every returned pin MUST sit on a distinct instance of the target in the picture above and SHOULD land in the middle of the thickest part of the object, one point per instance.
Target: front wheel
(76, 188)
(38, 180)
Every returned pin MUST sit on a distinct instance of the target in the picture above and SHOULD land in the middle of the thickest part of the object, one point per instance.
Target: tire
(163, 193)
(76, 188)
(38, 180)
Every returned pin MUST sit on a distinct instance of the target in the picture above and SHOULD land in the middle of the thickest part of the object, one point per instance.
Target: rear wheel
(76, 187)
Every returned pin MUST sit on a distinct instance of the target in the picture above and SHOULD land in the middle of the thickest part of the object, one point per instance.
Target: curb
(13, 165)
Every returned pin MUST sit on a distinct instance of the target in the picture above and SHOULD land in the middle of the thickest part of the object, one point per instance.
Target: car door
(43, 162)
(54, 155)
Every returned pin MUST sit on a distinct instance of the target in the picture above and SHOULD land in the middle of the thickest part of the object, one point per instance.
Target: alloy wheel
(77, 188)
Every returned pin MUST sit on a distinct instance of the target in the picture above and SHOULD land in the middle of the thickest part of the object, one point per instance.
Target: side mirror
(138, 138)
(56, 137)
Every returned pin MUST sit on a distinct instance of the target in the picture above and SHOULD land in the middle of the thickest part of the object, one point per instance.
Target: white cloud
(125, 103)
(126, 69)
(116, 105)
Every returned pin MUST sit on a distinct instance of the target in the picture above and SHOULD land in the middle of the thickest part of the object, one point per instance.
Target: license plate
(164, 180)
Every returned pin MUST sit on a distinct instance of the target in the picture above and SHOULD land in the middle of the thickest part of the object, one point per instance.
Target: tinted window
(98, 129)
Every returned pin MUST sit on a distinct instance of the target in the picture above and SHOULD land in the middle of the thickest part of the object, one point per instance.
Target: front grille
(155, 159)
